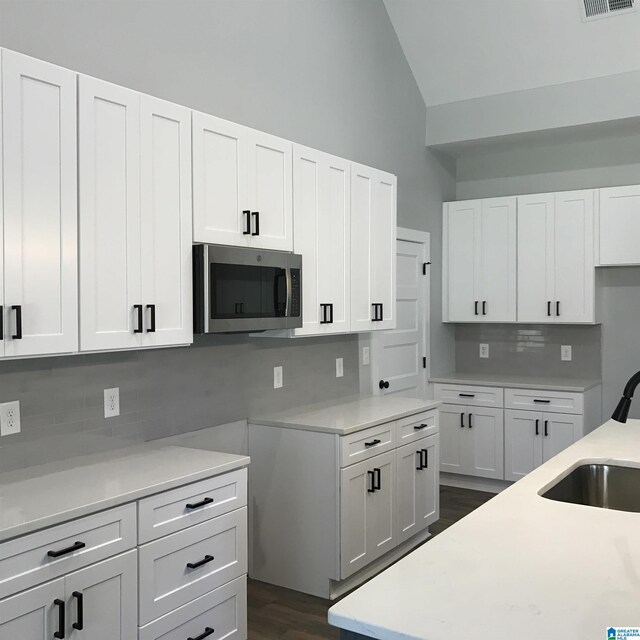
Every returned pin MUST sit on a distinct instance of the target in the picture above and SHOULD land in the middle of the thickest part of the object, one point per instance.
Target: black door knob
(383, 384)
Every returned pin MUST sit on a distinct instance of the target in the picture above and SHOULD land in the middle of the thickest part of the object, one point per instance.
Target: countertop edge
(116, 501)
(579, 388)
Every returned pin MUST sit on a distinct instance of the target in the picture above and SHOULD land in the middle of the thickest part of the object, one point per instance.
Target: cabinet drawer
(192, 504)
(468, 395)
(556, 401)
(363, 445)
(416, 427)
(224, 610)
(217, 551)
(25, 561)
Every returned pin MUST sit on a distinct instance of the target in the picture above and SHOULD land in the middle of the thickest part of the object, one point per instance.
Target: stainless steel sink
(599, 485)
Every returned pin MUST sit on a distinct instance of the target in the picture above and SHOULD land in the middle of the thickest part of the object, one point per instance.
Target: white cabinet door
(574, 270)
(101, 600)
(270, 191)
(220, 195)
(459, 272)
(485, 444)
(367, 511)
(109, 151)
(418, 486)
(321, 210)
(453, 438)
(496, 239)
(536, 261)
(165, 174)
(620, 225)
(373, 244)
(522, 443)
(560, 431)
(33, 614)
(40, 207)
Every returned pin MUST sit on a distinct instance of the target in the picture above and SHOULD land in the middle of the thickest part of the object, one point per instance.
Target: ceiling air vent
(595, 9)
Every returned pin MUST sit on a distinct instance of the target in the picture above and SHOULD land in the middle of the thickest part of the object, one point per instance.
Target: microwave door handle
(287, 310)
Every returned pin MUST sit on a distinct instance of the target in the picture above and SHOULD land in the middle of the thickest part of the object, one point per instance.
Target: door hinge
(424, 362)
(424, 268)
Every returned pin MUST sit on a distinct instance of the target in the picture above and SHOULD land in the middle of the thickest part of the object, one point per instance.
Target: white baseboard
(471, 482)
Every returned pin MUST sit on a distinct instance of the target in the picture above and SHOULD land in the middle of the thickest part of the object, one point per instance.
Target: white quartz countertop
(46, 495)
(347, 415)
(578, 385)
(521, 566)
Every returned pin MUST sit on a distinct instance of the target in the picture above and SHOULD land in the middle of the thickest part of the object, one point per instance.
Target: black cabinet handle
(419, 454)
(324, 308)
(373, 443)
(256, 217)
(470, 423)
(558, 307)
(79, 623)
(537, 427)
(475, 308)
(63, 552)
(378, 479)
(462, 420)
(484, 307)
(546, 428)
(138, 308)
(18, 334)
(247, 222)
(426, 458)
(1, 322)
(61, 624)
(466, 395)
(549, 307)
(207, 632)
(419, 427)
(383, 384)
(372, 483)
(378, 311)
(539, 401)
(152, 308)
(331, 313)
(197, 505)
(381, 312)
(200, 563)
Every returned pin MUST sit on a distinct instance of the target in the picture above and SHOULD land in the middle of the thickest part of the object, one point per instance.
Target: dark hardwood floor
(275, 612)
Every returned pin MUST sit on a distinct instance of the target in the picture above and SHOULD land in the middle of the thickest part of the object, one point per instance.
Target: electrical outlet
(9, 418)
(112, 402)
(484, 350)
(366, 358)
(277, 377)
(565, 352)
(339, 367)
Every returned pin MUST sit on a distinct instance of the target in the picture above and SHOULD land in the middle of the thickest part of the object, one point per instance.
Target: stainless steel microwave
(237, 289)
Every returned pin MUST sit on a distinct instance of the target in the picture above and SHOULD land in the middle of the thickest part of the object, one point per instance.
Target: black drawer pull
(79, 623)
(539, 401)
(373, 443)
(419, 427)
(63, 552)
(466, 395)
(197, 505)
(207, 632)
(61, 624)
(205, 560)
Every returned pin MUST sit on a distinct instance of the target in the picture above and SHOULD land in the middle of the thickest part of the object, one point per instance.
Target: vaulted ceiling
(462, 49)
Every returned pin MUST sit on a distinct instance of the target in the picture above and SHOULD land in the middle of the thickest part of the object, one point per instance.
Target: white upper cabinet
(556, 274)
(242, 185)
(373, 256)
(39, 206)
(620, 226)
(321, 209)
(135, 237)
(165, 164)
(480, 260)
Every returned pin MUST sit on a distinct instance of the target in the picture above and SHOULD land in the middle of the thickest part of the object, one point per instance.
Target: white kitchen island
(521, 566)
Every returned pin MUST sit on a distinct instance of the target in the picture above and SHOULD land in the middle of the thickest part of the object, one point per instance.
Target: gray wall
(326, 73)
(596, 163)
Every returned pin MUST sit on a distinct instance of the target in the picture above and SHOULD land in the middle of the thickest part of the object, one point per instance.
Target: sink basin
(599, 485)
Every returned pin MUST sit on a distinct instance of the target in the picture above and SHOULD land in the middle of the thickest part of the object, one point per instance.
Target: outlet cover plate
(484, 350)
(339, 367)
(112, 402)
(565, 353)
(277, 377)
(9, 418)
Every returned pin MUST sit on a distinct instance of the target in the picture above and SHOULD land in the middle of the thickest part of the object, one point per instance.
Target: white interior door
(270, 191)
(560, 431)
(453, 439)
(110, 246)
(485, 449)
(165, 165)
(535, 258)
(40, 206)
(400, 355)
(220, 193)
(522, 443)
